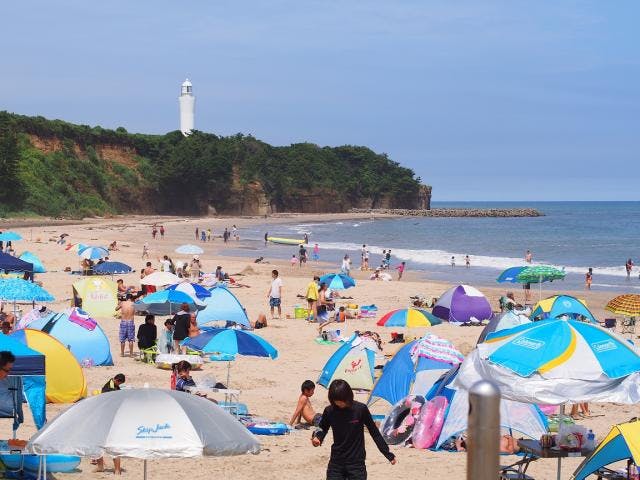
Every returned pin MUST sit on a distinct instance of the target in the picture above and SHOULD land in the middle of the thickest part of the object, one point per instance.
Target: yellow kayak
(285, 241)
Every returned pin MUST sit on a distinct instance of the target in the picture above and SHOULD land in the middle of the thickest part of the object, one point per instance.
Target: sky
(492, 100)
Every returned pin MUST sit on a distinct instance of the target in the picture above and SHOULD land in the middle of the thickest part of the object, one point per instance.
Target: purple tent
(461, 304)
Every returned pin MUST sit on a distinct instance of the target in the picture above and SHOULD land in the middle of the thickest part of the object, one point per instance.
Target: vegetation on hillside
(176, 174)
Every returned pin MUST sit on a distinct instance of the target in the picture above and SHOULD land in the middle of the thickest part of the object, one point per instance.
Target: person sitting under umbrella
(184, 379)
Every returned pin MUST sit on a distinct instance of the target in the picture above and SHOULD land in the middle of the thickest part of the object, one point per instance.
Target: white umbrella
(144, 423)
(160, 279)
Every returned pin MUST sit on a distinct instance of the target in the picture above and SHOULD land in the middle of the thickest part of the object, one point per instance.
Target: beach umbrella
(559, 305)
(166, 302)
(9, 263)
(462, 304)
(75, 247)
(19, 290)
(510, 275)
(622, 442)
(10, 237)
(33, 259)
(93, 253)
(557, 361)
(231, 342)
(627, 305)
(194, 290)
(144, 423)
(189, 250)
(540, 274)
(111, 268)
(338, 281)
(408, 317)
(160, 279)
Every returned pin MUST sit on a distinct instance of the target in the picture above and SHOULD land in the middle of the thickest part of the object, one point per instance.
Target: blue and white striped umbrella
(194, 290)
(93, 253)
(166, 302)
(189, 250)
(231, 342)
(19, 290)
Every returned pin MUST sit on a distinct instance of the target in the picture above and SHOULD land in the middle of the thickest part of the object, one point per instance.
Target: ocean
(570, 235)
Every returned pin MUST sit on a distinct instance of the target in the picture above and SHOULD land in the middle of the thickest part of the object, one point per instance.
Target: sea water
(571, 235)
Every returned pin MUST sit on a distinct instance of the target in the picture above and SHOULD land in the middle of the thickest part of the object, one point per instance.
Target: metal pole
(145, 469)
(560, 423)
(483, 439)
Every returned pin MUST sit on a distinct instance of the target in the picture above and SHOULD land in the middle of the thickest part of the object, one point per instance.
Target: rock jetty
(452, 212)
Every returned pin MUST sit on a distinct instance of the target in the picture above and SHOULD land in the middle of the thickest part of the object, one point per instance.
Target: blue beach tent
(222, 306)
(79, 333)
(9, 263)
(401, 376)
(26, 381)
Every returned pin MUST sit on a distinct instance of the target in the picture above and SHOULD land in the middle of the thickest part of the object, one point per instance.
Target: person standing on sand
(363, 250)
(628, 266)
(588, 278)
(348, 418)
(467, 261)
(127, 330)
(346, 265)
(161, 232)
(400, 269)
(302, 255)
(181, 322)
(316, 253)
(145, 251)
(528, 257)
(197, 233)
(208, 234)
(275, 294)
(154, 231)
(312, 299)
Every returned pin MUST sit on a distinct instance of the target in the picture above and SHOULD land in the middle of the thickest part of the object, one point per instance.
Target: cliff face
(62, 169)
(245, 199)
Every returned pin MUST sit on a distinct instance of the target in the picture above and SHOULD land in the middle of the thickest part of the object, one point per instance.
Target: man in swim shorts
(304, 410)
(127, 331)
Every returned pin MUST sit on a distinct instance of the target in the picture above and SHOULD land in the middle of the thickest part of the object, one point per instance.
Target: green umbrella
(539, 274)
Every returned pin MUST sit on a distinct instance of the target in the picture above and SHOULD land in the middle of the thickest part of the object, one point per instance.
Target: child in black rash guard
(348, 418)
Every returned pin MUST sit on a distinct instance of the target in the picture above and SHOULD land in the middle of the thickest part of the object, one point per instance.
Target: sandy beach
(269, 388)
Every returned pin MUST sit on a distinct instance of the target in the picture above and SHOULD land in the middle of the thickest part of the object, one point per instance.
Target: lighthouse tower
(187, 107)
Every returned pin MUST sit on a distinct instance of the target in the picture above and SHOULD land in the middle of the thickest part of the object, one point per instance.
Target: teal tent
(222, 306)
(38, 266)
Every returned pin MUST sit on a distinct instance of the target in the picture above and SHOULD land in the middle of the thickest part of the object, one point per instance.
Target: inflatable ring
(398, 425)
(429, 424)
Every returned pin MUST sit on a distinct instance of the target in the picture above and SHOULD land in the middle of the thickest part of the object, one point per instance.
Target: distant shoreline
(451, 212)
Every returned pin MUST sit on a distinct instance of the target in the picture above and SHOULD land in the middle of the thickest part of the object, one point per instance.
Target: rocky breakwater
(451, 212)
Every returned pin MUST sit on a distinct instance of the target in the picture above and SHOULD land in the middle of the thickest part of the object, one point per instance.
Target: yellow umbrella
(627, 305)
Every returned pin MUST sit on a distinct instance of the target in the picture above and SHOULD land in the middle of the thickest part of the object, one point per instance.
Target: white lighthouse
(187, 107)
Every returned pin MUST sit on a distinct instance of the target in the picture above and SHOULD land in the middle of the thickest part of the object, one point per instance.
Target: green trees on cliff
(66, 172)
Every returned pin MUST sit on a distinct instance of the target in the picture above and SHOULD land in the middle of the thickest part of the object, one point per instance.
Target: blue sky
(491, 100)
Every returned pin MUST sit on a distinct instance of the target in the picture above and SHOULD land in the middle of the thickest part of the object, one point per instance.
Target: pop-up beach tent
(32, 258)
(81, 334)
(222, 306)
(354, 362)
(99, 296)
(26, 380)
(415, 368)
(462, 304)
(65, 378)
